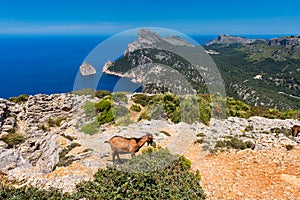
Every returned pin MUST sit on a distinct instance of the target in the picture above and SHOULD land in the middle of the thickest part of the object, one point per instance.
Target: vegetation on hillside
(276, 68)
(13, 138)
(277, 84)
(153, 175)
(171, 107)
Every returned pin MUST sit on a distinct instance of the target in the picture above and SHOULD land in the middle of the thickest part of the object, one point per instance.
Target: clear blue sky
(109, 17)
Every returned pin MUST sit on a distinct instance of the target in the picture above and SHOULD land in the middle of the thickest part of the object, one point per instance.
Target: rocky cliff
(228, 39)
(257, 71)
(168, 62)
(56, 153)
(87, 69)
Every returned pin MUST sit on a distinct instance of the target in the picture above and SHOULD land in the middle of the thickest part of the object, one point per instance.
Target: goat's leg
(132, 154)
(119, 159)
(113, 156)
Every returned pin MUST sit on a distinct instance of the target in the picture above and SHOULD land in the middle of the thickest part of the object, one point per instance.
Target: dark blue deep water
(49, 64)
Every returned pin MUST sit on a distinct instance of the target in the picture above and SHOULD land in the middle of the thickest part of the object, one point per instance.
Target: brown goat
(295, 130)
(119, 144)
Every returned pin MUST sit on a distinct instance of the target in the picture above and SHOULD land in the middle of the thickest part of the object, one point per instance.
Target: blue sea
(49, 64)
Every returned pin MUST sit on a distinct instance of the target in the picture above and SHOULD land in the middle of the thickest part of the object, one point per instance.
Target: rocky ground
(266, 170)
(248, 174)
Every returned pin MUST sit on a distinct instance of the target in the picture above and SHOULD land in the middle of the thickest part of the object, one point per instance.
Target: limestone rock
(87, 69)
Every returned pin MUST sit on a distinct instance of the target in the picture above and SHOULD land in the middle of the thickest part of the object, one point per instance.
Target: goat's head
(295, 130)
(150, 139)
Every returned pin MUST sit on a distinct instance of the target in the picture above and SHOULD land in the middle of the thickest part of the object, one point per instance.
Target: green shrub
(13, 139)
(144, 115)
(172, 107)
(82, 92)
(204, 109)
(289, 147)
(141, 99)
(55, 122)
(102, 93)
(31, 193)
(157, 111)
(136, 108)
(63, 159)
(236, 108)
(233, 143)
(165, 132)
(103, 105)
(201, 135)
(155, 175)
(68, 137)
(190, 109)
(90, 128)
(119, 96)
(87, 150)
(89, 109)
(200, 141)
(105, 117)
(44, 127)
(20, 99)
(120, 111)
(123, 121)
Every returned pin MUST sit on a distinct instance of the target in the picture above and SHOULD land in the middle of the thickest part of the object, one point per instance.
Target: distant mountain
(161, 62)
(228, 39)
(259, 72)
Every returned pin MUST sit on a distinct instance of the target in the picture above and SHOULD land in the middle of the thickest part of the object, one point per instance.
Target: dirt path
(249, 174)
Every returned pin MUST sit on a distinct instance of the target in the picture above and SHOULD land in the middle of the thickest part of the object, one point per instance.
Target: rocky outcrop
(228, 39)
(148, 39)
(87, 69)
(8, 115)
(287, 42)
(39, 160)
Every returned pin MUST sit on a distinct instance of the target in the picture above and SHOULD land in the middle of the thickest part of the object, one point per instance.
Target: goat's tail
(106, 141)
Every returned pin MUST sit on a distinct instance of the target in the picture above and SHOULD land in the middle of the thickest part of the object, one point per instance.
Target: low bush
(44, 127)
(63, 159)
(103, 105)
(201, 135)
(68, 137)
(89, 109)
(144, 115)
(141, 99)
(90, 128)
(12, 139)
(233, 143)
(55, 122)
(289, 147)
(86, 91)
(20, 99)
(105, 117)
(136, 108)
(153, 175)
(102, 93)
(119, 96)
(165, 132)
(200, 141)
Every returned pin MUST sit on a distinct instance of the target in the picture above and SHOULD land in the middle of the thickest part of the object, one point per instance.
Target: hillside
(58, 141)
(260, 72)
